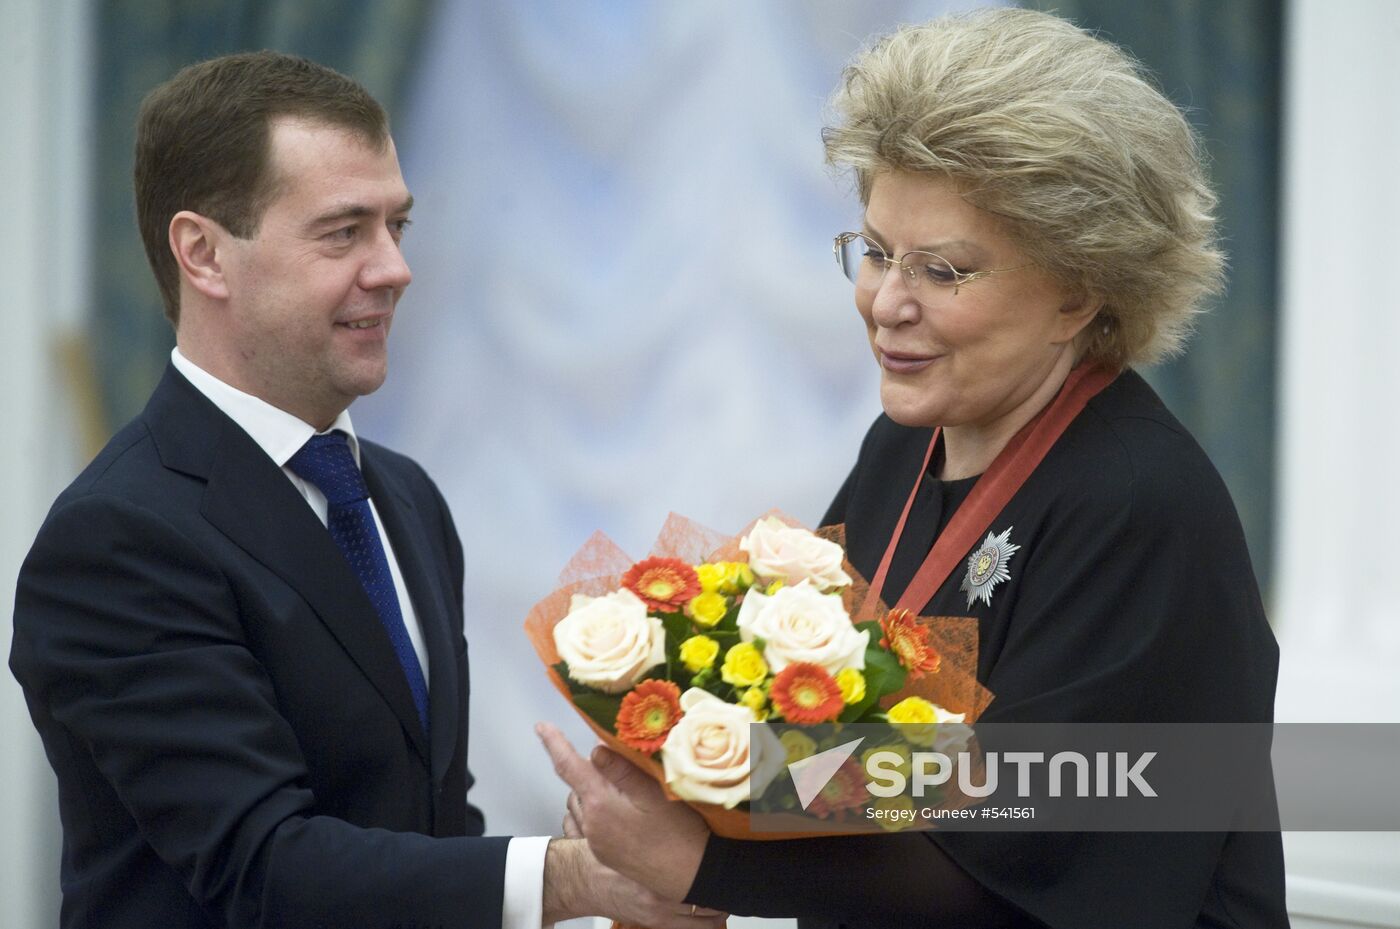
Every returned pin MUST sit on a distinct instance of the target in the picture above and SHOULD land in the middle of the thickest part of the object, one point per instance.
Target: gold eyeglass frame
(960, 277)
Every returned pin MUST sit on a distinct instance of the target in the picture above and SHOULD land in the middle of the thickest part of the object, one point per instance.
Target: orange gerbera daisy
(904, 636)
(664, 584)
(845, 791)
(648, 713)
(805, 693)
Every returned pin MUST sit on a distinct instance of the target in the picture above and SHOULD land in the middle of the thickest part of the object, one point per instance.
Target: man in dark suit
(240, 630)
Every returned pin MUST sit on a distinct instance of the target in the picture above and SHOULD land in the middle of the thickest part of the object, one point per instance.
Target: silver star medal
(987, 567)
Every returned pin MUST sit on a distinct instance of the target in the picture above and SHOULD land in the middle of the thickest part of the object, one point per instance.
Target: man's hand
(630, 825)
(577, 884)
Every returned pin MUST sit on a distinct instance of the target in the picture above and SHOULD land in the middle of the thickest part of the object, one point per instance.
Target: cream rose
(609, 642)
(803, 624)
(707, 755)
(781, 552)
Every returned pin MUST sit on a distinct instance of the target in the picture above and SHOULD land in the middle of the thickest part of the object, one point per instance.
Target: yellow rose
(711, 576)
(852, 684)
(798, 745)
(913, 710)
(755, 699)
(738, 577)
(708, 609)
(699, 652)
(920, 719)
(773, 588)
(744, 666)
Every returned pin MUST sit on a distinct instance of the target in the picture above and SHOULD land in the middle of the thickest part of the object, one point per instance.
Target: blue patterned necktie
(326, 461)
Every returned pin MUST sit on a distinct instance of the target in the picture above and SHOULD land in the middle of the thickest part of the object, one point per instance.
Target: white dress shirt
(281, 435)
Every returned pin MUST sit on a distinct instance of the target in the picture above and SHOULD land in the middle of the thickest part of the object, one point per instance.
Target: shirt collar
(277, 432)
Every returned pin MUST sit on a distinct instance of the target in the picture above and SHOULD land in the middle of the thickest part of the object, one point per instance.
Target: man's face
(311, 296)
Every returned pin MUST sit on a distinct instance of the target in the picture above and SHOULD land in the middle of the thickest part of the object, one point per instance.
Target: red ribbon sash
(993, 490)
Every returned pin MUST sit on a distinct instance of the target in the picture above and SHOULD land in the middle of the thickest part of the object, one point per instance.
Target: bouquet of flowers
(671, 658)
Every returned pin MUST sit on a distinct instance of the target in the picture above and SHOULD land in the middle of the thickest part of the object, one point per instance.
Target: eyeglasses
(864, 263)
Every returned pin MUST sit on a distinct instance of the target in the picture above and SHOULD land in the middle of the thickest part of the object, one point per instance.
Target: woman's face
(966, 358)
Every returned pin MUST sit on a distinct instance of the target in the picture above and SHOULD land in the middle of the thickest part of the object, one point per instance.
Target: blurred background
(625, 304)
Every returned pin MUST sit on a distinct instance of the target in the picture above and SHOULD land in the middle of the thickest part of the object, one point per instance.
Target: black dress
(1130, 599)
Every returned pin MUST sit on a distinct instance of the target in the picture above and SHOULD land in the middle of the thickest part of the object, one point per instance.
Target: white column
(1338, 590)
(44, 147)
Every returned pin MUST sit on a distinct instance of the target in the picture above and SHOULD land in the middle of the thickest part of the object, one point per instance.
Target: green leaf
(720, 689)
(875, 631)
(678, 629)
(852, 713)
(601, 708)
(884, 675)
(562, 668)
(729, 622)
(883, 672)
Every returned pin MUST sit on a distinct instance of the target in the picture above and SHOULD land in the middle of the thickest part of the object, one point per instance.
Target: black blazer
(1130, 600)
(234, 739)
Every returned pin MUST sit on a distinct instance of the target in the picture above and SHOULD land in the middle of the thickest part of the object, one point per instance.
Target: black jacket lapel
(250, 500)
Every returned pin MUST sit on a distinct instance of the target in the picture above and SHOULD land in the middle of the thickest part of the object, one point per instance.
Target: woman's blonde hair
(1096, 174)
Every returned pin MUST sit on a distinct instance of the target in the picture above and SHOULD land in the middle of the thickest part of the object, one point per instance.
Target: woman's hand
(630, 825)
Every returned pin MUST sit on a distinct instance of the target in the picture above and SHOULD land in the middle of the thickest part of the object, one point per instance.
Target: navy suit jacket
(234, 739)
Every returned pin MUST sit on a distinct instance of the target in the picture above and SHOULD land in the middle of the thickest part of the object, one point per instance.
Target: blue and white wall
(625, 302)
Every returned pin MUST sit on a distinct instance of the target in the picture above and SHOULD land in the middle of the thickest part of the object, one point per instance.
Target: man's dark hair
(203, 143)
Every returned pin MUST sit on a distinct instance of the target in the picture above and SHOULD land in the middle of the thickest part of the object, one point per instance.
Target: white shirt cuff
(522, 904)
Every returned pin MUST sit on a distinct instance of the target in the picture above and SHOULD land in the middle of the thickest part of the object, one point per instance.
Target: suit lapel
(250, 500)
(404, 527)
